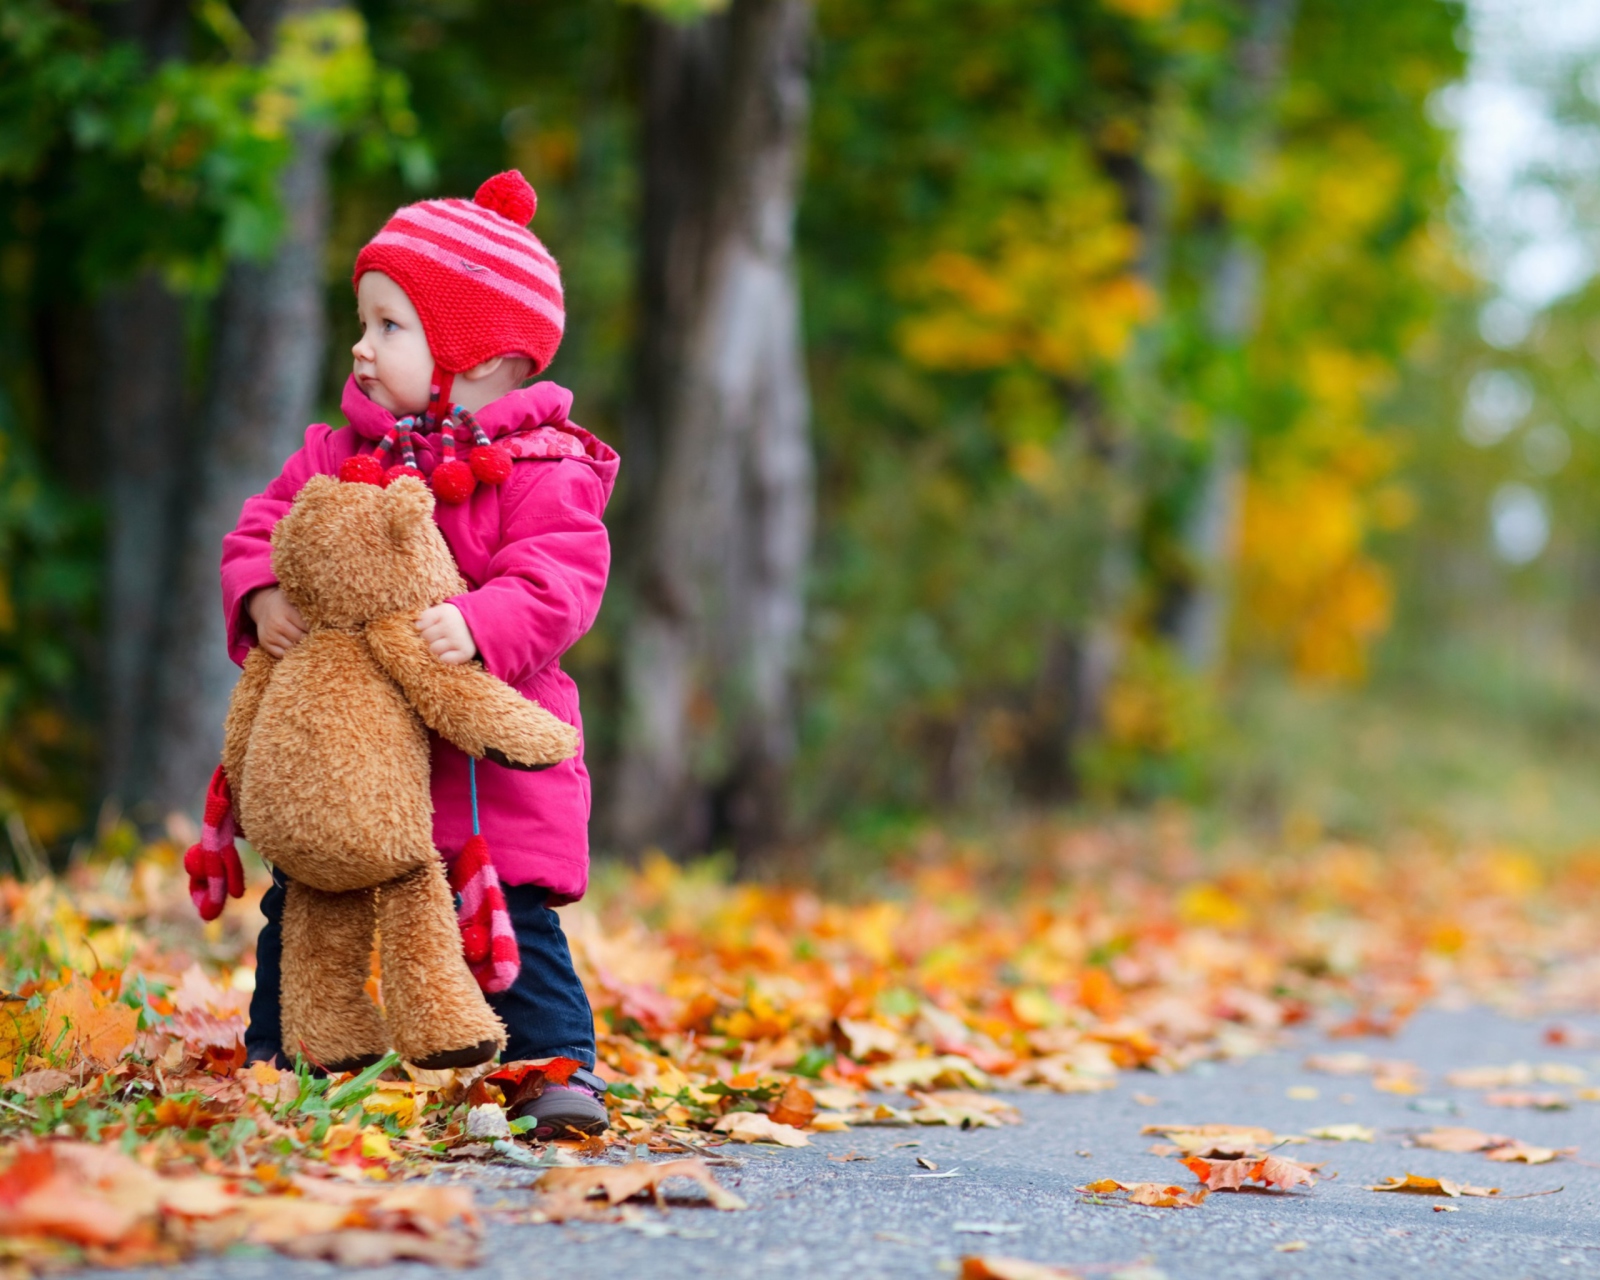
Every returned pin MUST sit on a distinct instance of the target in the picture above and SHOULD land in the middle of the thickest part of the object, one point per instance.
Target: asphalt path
(814, 1213)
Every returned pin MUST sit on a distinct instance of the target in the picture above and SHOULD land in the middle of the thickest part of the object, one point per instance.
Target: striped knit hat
(481, 281)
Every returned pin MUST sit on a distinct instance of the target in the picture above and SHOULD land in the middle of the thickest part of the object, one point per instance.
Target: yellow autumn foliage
(1148, 10)
(1052, 286)
(1308, 585)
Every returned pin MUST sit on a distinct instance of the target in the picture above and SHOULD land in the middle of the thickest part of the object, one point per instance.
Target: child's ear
(410, 507)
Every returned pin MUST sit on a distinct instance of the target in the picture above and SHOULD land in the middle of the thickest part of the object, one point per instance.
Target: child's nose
(361, 351)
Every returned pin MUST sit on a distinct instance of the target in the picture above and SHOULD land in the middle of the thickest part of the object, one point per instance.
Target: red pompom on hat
(480, 280)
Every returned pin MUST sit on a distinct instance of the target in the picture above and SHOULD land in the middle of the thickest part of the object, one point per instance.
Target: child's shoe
(576, 1109)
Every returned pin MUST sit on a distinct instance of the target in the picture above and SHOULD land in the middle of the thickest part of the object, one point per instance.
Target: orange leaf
(795, 1106)
(1153, 1194)
(1231, 1175)
(980, 1267)
(80, 1022)
(554, 1071)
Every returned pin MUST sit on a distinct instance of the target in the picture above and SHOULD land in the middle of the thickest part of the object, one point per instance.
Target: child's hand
(446, 634)
(279, 626)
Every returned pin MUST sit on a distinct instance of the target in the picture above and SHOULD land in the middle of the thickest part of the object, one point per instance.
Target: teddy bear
(326, 755)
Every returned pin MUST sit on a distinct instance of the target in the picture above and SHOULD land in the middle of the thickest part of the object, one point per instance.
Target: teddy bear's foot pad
(358, 1063)
(471, 1056)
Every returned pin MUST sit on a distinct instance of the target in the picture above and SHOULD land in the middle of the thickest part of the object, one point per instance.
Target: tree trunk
(718, 442)
(1205, 601)
(141, 327)
(265, 365)
(141, 409)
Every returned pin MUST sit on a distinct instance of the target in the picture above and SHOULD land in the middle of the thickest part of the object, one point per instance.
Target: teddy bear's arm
(466, 705)
(242, 711)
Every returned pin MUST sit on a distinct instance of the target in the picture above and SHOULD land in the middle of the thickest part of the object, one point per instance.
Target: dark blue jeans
(546, 1012)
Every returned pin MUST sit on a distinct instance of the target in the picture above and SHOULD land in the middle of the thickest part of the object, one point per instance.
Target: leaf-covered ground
(1053, 959)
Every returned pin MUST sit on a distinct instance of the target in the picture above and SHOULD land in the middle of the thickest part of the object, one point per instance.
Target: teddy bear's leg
(327, 958)
(437, 1014)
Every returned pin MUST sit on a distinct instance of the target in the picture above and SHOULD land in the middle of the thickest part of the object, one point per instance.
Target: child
(459, 304)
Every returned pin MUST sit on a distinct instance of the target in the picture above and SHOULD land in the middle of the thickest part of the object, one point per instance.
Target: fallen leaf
(1433, 1187)
(948, 1070)
(1302, 1093)
(869, 1040)
(1231, 1175)
(1340, 1064)
(961, 1110)
(1517, 1073)
(1215, 1139)
(1291, 1246)
(926, 1163)
(1343, 1133)
(796, 1106)
(1521, 1152)
(364, 1247)
(19, 1028)
(588, 1191)
(1451, 1138)
(1536, 1101)
(35, 1084)
(991, 1267)
(514, 1074)
(1153, 1194)
(1147, 1099)
(80, 1021)
(752, 1126)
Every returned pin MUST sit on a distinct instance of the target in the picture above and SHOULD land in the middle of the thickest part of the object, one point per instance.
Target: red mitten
(215, 872)
(487, 939)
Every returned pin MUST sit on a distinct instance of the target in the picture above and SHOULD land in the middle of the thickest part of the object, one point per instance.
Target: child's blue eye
(389, 325)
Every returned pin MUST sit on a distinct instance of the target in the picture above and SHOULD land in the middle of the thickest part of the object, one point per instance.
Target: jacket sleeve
(545, 582)
(247, 551)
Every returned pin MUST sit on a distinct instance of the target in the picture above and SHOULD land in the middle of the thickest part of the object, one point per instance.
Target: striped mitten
(487, 938)
(215, 872)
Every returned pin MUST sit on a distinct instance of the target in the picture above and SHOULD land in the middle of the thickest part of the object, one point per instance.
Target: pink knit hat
(481, 281)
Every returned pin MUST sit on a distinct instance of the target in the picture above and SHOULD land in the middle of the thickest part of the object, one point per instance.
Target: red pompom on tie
(453, 479)
(361, 468)
(487, 939)
(491, 463)
(215, 872)
(373, 468)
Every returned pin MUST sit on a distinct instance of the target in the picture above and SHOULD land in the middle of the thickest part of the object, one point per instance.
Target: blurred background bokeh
(1025, 405)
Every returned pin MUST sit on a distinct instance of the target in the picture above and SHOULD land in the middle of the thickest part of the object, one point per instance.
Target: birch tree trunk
(265, 366)
(718, 444)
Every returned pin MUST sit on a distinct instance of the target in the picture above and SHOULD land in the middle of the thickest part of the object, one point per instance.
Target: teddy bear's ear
(410, 507)
(317, 489)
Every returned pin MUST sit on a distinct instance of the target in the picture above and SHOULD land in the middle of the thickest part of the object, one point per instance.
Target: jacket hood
(531, 422)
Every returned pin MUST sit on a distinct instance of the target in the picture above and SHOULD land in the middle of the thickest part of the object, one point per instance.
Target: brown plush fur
(327, 755)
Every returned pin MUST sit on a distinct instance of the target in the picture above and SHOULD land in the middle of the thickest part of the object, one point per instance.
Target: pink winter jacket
(536, 553)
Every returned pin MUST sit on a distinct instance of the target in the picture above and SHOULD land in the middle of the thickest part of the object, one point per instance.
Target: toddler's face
(392, 362)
